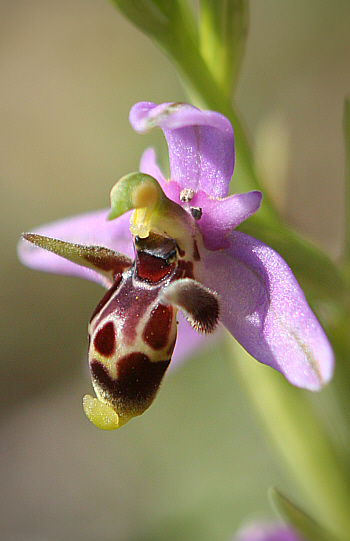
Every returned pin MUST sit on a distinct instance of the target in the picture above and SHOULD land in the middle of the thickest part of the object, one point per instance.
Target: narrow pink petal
(220, 216)
(91, 229)
(264, 308)
(149, 166)
(201, 144)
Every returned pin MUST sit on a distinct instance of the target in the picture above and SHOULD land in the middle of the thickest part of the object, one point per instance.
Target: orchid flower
(213, 272)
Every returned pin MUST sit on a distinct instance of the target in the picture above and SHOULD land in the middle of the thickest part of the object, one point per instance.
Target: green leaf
(300, 521)
(223, 29)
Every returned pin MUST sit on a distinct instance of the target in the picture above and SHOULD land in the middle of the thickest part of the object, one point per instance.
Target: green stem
(223, 29)
(207, 95)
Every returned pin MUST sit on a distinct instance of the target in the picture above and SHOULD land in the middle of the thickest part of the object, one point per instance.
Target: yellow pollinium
(102, 415)
(143, 199)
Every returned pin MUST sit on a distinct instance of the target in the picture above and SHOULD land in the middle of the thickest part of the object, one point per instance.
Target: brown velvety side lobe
(106, 260)
(137, 383)
(199, 304)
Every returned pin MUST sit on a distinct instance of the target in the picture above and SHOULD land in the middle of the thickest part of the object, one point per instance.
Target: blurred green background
(196, 464)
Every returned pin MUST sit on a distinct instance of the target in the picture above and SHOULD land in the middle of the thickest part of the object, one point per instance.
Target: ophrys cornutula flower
(179, 251)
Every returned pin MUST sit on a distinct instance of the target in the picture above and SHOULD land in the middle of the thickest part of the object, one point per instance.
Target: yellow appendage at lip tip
(102, 415)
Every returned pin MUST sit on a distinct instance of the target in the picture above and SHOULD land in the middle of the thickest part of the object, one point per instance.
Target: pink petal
(264, 308)
(220, 216)
(149, 166)
(201, 144)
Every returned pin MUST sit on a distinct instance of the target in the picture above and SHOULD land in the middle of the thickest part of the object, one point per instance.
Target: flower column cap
(154, 211)
(201, 144)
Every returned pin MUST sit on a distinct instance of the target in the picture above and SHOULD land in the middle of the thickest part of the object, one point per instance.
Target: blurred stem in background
(300, 440)
(208, 56)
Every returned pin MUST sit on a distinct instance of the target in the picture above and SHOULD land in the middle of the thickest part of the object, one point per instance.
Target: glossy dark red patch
(157, 330)
(152, 269)
(137, 382)
(104, 340)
